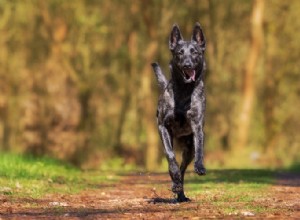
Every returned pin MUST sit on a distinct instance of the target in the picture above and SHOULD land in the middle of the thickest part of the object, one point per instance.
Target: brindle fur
(181, 105)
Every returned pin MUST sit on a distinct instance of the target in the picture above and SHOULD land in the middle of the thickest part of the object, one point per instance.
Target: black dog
(181, 106)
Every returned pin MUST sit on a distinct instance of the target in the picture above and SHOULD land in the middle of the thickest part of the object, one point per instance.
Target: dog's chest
(178, 109)
(180, 124)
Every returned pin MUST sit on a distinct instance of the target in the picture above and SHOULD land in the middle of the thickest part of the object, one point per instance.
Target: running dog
(181, 105)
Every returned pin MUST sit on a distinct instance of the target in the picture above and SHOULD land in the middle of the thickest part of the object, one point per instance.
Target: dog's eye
(181, 52)
(194, 52)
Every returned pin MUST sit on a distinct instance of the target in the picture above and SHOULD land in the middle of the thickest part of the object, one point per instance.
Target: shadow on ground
(260, 176)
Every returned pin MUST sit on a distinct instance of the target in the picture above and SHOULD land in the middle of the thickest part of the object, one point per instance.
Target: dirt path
(145, 196)
(286, 199)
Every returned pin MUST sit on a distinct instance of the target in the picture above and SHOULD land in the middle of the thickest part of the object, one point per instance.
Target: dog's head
(188, 56)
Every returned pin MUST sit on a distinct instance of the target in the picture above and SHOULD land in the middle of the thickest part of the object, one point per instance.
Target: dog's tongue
(191, 74)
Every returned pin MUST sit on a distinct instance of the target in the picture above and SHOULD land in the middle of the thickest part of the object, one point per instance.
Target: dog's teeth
(190, 74)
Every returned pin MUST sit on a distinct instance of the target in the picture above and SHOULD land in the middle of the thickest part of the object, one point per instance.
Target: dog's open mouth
(189, 74)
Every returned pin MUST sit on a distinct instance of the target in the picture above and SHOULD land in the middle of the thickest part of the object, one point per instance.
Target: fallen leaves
(6, 190)
(62, 204)
(247, 213)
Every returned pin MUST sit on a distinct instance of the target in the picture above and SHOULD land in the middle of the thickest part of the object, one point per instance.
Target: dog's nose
(187, 66)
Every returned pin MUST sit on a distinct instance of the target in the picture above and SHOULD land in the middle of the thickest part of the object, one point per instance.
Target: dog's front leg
(198, 144)
(174, 170)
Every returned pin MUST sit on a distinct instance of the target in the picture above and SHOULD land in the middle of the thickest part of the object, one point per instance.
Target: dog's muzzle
(189, 75)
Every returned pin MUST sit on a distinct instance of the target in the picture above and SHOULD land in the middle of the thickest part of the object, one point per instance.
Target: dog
(181, 105)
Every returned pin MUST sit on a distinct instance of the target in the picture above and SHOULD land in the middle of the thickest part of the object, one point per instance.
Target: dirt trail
(146, 196)
(286, 199)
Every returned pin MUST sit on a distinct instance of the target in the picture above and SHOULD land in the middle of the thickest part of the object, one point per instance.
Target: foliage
(76, 82)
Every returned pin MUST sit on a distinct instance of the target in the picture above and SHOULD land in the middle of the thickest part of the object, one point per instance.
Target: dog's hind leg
(162, 81)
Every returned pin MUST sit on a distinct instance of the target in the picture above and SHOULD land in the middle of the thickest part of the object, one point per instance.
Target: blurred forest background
(76, 82)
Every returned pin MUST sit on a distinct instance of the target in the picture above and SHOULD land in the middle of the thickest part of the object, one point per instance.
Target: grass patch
(231, 191)
(295, 167)
(29, 176)
(117, 164)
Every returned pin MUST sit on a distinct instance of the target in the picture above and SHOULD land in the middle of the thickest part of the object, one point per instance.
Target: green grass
(232, 191)
(29, 176)
(117, 164)
(295, 167)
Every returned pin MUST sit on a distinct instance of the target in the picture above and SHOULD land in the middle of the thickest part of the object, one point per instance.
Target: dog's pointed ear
(175, 37)
(198, 36)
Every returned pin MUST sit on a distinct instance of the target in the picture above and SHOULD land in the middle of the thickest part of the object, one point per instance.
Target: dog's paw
(200, 170)
(177, 188)
(182, 198)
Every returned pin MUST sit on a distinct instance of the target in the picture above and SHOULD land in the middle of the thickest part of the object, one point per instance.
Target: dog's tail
(162, 81)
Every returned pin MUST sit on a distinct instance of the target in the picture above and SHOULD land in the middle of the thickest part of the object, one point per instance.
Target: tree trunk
(152, 151)
(248, 89)
(212, 47)
(128, 93)
(270, 92)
